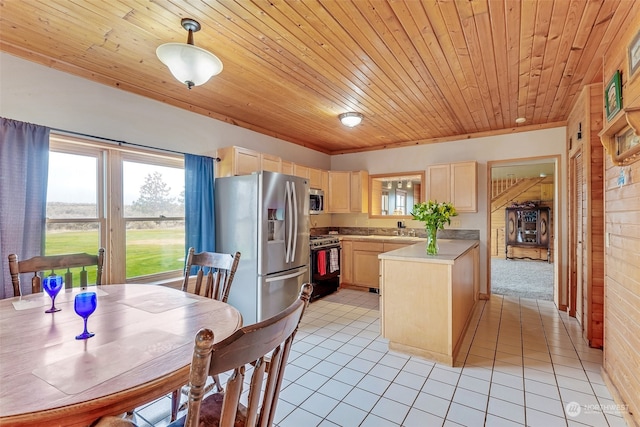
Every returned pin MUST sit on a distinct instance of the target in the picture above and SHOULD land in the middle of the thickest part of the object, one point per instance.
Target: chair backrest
(214, 276)
(265, 346)
(46, 264)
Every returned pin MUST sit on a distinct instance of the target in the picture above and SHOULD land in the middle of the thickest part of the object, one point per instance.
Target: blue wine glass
(85, 304)
(52, 285)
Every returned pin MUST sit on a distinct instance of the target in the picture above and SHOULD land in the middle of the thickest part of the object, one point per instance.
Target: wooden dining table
(142, 349)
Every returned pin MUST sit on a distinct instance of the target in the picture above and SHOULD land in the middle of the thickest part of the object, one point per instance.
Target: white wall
(548, 142)
(33, 93)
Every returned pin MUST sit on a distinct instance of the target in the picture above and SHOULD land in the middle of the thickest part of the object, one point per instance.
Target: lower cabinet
(360, 266)
(366, 264)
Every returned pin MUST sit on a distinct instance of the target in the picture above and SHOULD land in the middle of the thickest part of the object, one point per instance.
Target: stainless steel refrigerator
(265, 216)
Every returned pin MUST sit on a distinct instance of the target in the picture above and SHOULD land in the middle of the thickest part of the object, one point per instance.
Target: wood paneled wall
(622, 248)
(587, 222)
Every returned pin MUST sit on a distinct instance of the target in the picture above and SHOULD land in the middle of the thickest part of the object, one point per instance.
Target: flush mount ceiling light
(189, 64)
(351, 119)
(520, 120)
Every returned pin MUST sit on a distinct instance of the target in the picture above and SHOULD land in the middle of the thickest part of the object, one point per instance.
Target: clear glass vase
(432, 240)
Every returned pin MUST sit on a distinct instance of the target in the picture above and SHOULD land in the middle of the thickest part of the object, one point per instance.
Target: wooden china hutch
(527, 227)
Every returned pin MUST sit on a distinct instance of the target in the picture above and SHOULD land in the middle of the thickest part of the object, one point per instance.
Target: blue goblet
(52, 285)
(85, 304)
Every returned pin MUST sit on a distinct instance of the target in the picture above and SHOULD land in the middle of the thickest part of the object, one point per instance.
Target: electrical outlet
(456, 223)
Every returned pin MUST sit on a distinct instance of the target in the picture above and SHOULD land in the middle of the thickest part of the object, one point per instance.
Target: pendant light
(189, 64)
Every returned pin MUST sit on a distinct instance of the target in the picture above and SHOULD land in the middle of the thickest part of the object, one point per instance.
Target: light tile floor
(522, 363)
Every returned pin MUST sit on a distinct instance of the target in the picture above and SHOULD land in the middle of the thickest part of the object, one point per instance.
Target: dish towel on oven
(334, 265)
(322, 263)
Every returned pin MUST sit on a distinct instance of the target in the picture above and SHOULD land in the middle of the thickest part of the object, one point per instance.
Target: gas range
(324, 241)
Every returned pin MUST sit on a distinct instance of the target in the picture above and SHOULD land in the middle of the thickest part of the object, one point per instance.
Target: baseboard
(629, 417)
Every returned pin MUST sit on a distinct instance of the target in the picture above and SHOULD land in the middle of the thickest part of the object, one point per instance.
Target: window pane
(73, 238)
(72, 188)
(154, 247)
(152, 190)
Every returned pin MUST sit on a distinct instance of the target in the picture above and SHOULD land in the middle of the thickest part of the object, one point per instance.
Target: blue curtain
(24, 162)
(198, 201)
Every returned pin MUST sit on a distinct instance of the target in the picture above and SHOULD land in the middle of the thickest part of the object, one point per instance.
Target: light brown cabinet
(348, 191)
(346, 263)
(366, 266)
(315, 178)
(271, 163)
(237, 161)
(438, 296)
(301, 171)
(456, 183)
(324, 182)
(286, 167)
(359, 191)
(360, 264)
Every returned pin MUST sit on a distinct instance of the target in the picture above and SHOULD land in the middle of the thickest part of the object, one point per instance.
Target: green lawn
(148, 251)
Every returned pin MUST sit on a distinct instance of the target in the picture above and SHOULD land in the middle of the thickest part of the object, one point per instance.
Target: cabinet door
(346, 265)
(287, 167)
(246, 161)
(464, 186)
(359, 198)
(324, 186)
(270, 163)
(439, 183)
(339, 191)
(366, 268)
(315, 178)
(237, 161)
(301, 171)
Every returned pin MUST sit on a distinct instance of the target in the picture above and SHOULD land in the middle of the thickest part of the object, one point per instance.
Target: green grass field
(148, 251)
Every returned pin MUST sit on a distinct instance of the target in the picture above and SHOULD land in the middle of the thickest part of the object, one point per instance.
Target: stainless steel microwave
(316, 201)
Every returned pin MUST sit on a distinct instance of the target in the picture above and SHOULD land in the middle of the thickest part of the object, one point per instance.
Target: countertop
(449, 251)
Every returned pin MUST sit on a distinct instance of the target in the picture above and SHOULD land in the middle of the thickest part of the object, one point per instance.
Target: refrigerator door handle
(295, 219)
(287, 195)
(288, 276)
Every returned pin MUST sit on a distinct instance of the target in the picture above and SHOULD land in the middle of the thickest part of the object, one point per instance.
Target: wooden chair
(52, 263)
(262, 348)
(215, 272)
(265, 346)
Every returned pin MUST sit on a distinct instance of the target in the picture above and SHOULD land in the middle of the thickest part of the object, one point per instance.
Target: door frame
(559, 294)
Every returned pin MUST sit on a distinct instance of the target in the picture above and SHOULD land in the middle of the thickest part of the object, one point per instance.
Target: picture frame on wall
(613, 96)
(633, 53)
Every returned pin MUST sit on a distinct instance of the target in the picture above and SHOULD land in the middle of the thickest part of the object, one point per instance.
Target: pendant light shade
(350, 119)
(189, 64)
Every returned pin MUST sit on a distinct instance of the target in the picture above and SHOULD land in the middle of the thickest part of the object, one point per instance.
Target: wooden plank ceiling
(419, 71)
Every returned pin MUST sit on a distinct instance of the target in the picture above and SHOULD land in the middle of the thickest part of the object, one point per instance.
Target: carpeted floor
(526, 279)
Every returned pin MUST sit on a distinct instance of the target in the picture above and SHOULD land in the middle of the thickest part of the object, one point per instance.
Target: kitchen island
(427, 300)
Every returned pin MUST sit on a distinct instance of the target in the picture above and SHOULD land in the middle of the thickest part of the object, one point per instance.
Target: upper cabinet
(301, 171)
(348, 191)
(287, 167)
(456, 183)
(315, 178)
(271, 163)
(237, 161)
(243, 161)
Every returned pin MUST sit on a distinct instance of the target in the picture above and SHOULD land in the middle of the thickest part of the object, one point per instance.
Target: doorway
(522, 204)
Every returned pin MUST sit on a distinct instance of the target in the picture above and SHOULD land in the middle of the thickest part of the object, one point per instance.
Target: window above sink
(393, 195)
